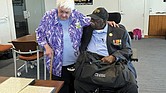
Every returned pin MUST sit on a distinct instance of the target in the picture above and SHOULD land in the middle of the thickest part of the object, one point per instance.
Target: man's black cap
(100, 13)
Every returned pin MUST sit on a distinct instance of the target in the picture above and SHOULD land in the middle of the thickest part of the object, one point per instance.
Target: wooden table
(47, 83)
(26, 38)
(4, 48)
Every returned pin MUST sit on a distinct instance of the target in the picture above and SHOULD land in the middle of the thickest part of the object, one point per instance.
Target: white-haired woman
(59, 32)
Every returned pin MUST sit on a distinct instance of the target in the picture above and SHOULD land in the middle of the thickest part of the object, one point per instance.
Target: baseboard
(147, 36)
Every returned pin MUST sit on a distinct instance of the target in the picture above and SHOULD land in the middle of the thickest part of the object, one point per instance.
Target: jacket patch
(117, 42)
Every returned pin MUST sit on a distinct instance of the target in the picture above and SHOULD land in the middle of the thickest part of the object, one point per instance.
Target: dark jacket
(118, 42)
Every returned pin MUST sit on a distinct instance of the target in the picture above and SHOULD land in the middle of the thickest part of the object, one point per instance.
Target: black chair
(115, 16)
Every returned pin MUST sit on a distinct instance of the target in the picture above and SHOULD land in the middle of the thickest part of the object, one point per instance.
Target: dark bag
(90, 69)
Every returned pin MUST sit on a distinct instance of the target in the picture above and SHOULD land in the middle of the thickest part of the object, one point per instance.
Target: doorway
(6, 34)
(21, 24)
(132, 14)
(27, 16)
(34, 13)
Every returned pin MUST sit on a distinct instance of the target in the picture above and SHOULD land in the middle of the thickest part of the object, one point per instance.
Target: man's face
(98, 23)
(64, 13)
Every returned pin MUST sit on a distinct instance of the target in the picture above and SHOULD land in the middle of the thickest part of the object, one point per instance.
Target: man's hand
(113, 24)
(49, 51)
(109, 59)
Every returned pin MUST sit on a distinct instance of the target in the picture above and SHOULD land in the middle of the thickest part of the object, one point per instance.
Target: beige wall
(110, 5)
(49, 4)
(157, 5)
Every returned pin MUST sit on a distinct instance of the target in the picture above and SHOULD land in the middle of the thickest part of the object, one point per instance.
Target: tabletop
(47, 83)
(25, 38)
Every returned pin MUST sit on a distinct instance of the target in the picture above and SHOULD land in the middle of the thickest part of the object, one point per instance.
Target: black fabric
(68, 78)
(131, 35)
(86, 37)
(82, 87)
(115, 16)
(128, 88)
(90, 69)
(99, 13)
(6, 55)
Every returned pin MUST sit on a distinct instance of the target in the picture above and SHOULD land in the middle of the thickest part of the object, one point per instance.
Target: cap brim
(94, 16)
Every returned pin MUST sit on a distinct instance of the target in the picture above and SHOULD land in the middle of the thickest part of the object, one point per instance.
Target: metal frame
(30, 52)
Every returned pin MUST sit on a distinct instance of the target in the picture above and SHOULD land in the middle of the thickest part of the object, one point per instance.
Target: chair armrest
(134, 57)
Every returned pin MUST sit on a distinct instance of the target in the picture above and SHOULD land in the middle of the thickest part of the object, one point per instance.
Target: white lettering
(99, 75)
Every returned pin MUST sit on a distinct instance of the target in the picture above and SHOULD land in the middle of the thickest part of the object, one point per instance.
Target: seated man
(110, 42)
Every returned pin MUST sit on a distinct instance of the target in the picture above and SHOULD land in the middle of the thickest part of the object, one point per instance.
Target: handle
(51, 66)
(3, 19)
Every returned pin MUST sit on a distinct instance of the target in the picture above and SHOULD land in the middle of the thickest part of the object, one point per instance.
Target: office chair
(28, 52)
(5, 49)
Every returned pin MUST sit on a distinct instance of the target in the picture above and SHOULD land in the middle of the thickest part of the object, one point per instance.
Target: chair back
(25, 46)
(114, 16)
(26, 51)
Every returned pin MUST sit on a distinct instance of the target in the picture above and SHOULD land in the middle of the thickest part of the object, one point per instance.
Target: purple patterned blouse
(50, 32)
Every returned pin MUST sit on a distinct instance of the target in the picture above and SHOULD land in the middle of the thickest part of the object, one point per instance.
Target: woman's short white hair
(66, 4)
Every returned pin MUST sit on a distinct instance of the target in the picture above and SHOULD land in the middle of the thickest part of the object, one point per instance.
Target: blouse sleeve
(84, 20)
(41, 30)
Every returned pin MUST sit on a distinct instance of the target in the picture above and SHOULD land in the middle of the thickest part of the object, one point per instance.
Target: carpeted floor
(151, 68)
(7, 69)
(4, 63)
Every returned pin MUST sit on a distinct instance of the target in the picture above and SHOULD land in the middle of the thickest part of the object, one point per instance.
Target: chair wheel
(18, 73)
(32, 66)
(35, 64)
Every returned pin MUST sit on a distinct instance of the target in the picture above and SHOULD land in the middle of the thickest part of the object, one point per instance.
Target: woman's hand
(113, 24)
(109, 59)
(49, 51)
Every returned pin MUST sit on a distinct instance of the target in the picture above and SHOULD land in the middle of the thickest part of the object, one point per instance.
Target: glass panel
(20, 21)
